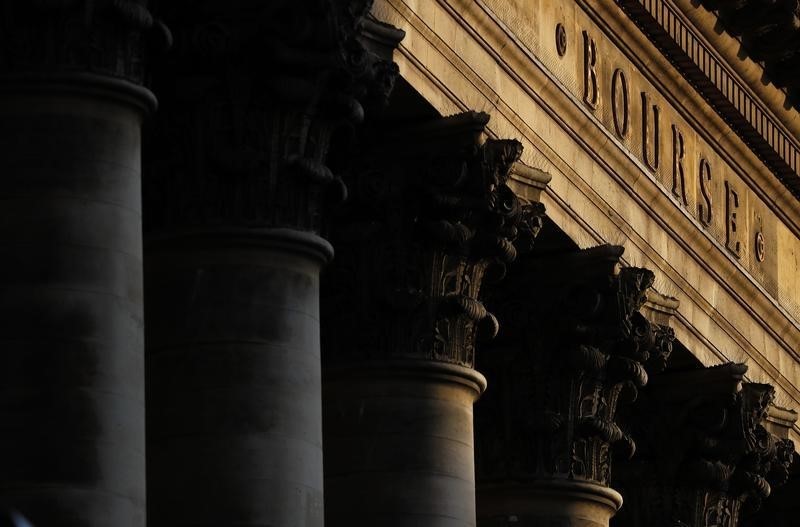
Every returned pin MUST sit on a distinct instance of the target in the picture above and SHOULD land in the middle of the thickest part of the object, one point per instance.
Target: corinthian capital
(575, 342)
(251, 98)
(703, 449)
(430, 214)
(110, 37)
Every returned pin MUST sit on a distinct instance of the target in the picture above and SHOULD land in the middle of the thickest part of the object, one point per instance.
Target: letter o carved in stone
(619, 102)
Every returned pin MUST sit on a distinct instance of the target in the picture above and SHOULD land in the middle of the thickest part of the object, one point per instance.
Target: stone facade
(440, 263)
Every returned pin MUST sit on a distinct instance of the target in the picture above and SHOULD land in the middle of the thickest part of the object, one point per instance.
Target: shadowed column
(430, 216)
(574, 344)
(705, 458)
(236, 186)
(72, 436)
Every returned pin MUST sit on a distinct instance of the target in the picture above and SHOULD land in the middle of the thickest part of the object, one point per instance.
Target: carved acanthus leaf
(110, 38)
(575, 342)
(430, 213)
(251, 99)
(703, 445)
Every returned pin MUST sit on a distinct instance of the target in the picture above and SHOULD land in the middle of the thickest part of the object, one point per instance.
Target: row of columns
(238, 190)
(690, 447)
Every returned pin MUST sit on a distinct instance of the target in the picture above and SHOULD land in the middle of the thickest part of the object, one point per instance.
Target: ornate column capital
(106, 38)
(252, 96)
(704, 450)
(574, 344)
(430, 216)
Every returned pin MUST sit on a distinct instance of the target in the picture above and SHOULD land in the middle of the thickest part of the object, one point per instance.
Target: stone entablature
(603, 189)
(769, 33)
(717, 82)
(726, 203)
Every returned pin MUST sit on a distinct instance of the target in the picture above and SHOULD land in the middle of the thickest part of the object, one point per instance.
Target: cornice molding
(709, 125)
(732, 53)
(770, 34)
(720, 86)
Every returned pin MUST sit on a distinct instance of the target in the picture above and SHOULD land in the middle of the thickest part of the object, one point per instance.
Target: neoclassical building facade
(449, 263)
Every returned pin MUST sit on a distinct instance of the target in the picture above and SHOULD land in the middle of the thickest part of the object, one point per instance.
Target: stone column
(705, 458)
(430, 217)
(72, 435)
(574, 343)
(236, 187)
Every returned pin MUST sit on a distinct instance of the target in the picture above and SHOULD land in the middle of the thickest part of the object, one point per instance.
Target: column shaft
(235, 431)
(401, 447)
(72, 437)
(71, 325)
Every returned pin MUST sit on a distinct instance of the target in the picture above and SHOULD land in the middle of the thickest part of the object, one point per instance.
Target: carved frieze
(110, 38)
(705, 457)
(251, 98)
(429, 218)
(573, 344)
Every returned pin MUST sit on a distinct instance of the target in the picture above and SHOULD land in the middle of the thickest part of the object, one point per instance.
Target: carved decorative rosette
(251, 99)
(429, 217)
(112, 38)
(705, 456)
(574, 342)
